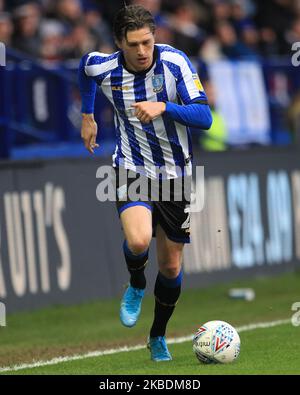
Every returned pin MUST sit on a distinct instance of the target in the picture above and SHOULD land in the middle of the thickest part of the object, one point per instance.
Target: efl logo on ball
(216, 342)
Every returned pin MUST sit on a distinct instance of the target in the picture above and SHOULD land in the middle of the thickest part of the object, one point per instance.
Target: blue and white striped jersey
(162, 142)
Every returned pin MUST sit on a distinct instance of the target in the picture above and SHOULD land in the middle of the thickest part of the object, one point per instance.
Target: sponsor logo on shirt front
(119, 88)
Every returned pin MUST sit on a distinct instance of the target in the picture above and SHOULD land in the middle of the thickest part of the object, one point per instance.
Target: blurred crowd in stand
(56, 30)
(60, 30)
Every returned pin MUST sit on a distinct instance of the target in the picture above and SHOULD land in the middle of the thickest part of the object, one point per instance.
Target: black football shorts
(168, 200)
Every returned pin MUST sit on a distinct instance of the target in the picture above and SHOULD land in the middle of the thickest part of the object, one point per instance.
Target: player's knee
(138, 245)
(171, 271)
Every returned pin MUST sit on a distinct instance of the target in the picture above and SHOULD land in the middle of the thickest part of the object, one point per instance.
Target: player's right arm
(89, 132)
(87, 87)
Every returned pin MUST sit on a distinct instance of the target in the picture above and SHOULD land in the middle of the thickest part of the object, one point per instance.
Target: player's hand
(146, 111)
(89, 132)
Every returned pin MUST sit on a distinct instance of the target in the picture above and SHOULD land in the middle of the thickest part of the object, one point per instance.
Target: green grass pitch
(65, 331)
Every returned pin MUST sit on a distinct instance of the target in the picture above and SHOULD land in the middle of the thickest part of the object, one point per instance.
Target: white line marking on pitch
(92, 354)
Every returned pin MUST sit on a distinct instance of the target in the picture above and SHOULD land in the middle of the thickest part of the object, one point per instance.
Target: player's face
(138, 49)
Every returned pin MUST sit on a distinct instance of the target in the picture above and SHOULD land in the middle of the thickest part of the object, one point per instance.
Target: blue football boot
(131, 306)
(158, 348)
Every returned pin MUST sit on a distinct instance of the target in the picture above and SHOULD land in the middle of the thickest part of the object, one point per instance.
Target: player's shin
(167, 292)
(136, 265)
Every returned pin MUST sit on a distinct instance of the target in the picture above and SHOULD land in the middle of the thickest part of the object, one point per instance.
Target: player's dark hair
(130, 18)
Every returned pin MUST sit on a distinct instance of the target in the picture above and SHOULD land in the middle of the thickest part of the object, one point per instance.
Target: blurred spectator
(80, 41)
(296, 5)
(293, 117)
(277, 15)
(239, 16)
(188, 36)
(211, 50)
(164, 34)
(293, 34)
(69, 13)
(214, 139)
(230, 45)
(52, 33)
(269, 45)
(109, 8)
(221, 10)
(250, 37)
(154, 6)
(27, 37)
(99, 29)
(6, 28)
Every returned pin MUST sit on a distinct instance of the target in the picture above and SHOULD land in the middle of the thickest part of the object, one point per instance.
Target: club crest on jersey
(157, 82)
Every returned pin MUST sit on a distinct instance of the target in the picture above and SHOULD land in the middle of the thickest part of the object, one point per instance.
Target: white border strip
(93, 354)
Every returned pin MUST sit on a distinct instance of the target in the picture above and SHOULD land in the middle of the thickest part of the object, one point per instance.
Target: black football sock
(167, 292)
(136, 265)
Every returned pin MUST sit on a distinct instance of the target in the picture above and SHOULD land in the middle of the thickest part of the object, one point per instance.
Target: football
(216, 342)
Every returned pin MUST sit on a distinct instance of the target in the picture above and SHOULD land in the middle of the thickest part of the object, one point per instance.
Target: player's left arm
(194, 110)
(146, 111)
